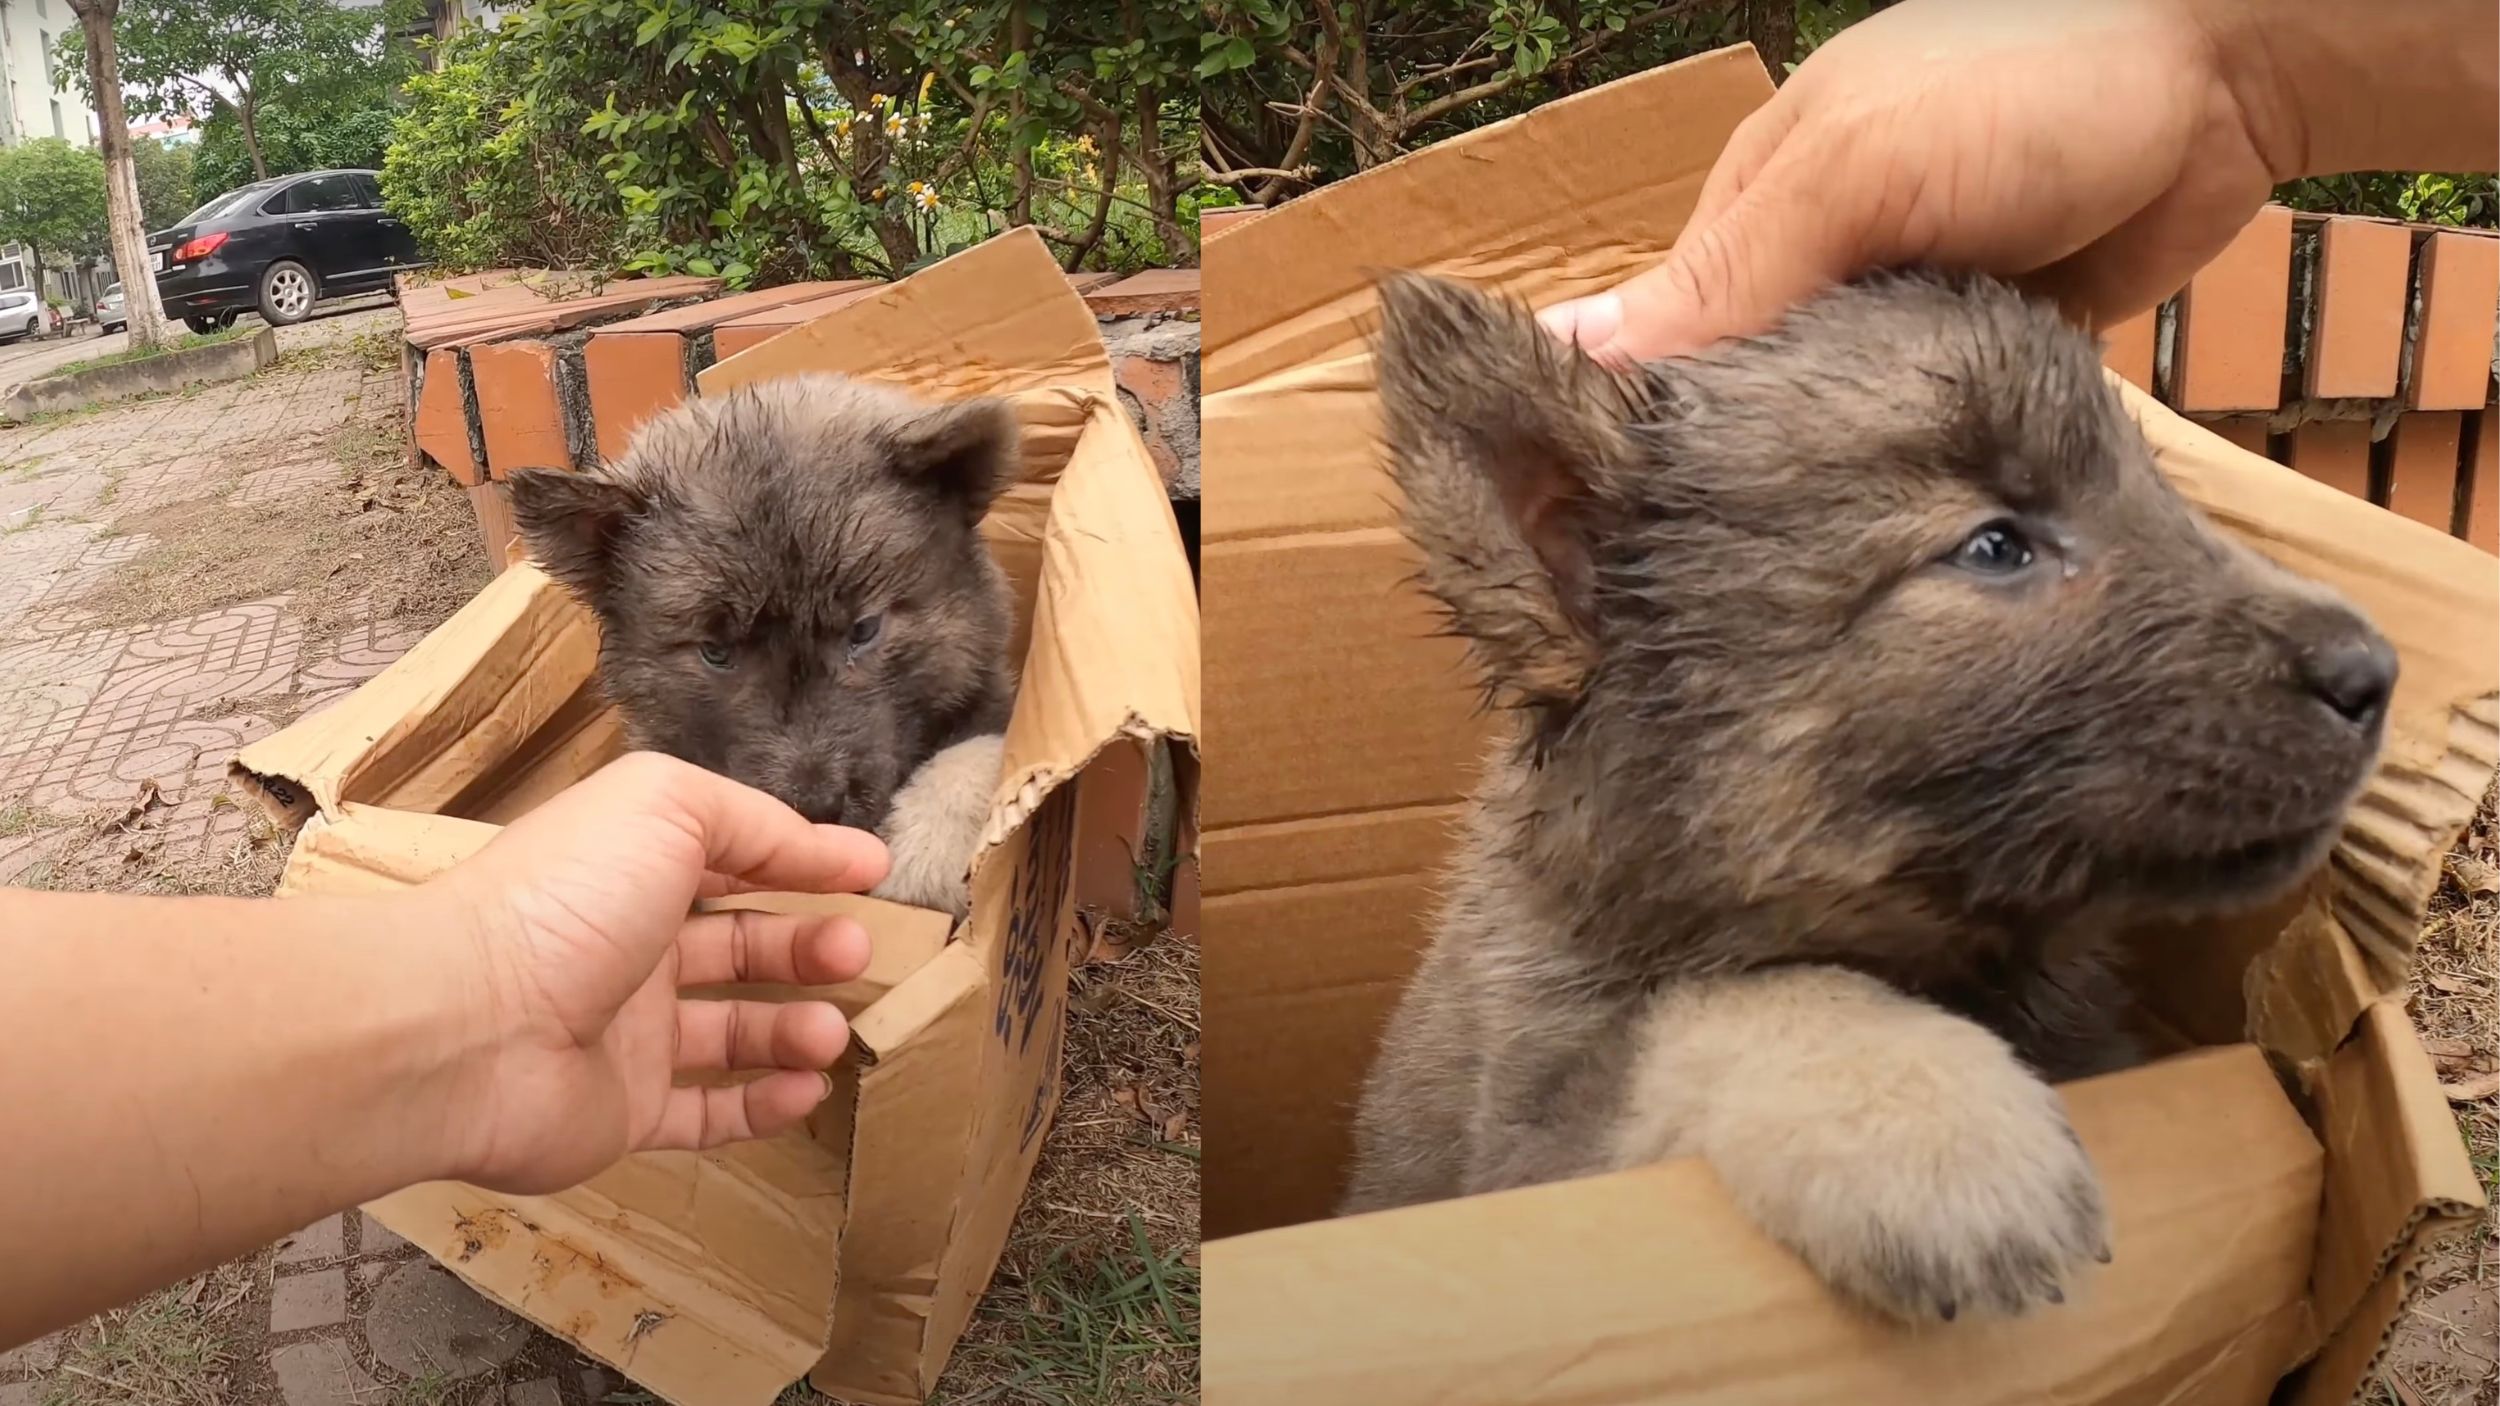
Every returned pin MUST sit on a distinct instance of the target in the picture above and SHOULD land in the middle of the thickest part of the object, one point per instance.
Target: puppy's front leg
(935, 824)
(1902, 1151)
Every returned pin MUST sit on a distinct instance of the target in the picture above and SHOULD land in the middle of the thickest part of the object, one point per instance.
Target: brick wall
(2359, 352)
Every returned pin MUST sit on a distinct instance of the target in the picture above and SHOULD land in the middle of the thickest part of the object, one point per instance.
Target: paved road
(24, 361)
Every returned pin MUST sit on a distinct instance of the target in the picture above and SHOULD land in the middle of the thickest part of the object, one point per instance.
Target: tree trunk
(1162, 189)
(1772, 26)
(247, 114)
(148, 329)
(1020, 203)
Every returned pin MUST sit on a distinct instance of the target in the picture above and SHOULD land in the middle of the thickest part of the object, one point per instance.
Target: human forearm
(2329, 86)
(190, 1078)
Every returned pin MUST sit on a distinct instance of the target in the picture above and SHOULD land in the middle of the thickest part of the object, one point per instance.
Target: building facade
(37, 101)
(34, 100)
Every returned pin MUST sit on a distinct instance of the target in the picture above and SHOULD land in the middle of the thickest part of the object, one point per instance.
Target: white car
(112, 311)
(22, 315)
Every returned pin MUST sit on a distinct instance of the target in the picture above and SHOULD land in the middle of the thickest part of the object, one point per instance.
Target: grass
(1096, 1298)
(435, 1388)
(185, 342)
(1090, 1328)
(32, 520)
(18, 818)
(166, 1350)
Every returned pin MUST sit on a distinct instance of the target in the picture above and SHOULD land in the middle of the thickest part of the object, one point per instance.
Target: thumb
(1730, 277)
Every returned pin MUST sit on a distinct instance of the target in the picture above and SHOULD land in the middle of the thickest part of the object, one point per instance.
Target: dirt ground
(356, 556)
(2446, 1349)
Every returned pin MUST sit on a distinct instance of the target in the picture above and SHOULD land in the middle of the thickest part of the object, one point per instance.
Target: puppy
(792, 591)
(1863, 680)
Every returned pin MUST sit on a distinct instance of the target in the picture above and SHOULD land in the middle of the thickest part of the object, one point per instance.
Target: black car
(278, 246)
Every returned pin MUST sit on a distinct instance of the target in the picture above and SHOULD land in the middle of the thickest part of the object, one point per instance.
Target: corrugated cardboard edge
(2382, 1095)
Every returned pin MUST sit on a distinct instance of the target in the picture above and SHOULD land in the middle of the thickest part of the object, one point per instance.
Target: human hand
(578, 915)
(2097, 153)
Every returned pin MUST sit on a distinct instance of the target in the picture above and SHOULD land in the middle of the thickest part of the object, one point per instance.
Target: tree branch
(1493, 87)
(1243, 175)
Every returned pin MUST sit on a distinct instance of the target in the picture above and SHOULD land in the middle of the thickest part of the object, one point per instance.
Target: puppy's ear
(1507, 445)
(571, 522)
(966, 452)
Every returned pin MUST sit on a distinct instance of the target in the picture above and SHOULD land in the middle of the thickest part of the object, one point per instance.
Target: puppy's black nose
(2353, 671)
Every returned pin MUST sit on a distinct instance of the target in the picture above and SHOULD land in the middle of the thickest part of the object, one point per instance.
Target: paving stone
(321, 1373)
(37, 1356)
(375, 1238)
(316, 1300)
(542, 1392)
(597, 1382)
(371, 1271)
(423, 1321)
(324, 1239)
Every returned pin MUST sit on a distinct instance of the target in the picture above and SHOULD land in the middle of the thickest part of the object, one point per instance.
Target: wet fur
(766, 525)
(1807, 846)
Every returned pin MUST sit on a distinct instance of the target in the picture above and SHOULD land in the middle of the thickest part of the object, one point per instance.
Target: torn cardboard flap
(857, 1247)
(1330, 812)
(983, 322)
(459, 703)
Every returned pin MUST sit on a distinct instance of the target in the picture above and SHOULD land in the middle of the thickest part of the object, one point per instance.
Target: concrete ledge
(169, 371)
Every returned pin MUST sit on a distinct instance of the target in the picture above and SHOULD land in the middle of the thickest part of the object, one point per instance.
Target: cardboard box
(850, 1252)
(2256, 1229)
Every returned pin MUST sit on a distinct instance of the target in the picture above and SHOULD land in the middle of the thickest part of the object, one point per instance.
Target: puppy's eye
(1998, 549)
(715, 655)
(865, 629)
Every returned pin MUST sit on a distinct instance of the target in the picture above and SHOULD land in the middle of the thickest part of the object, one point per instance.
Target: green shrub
(489, 175)
(2431, 198)
(764, 141)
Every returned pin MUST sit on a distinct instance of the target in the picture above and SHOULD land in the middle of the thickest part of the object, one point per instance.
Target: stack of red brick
(2357, 351)
(521, 369)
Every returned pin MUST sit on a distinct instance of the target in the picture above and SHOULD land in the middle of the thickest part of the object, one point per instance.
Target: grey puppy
(1865, 677)
(792, 591)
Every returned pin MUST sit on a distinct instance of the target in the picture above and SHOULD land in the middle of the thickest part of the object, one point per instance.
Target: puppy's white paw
(1900, 1150)
(935, 825)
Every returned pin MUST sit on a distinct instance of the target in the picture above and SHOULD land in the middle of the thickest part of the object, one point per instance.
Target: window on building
(12, 275)
(57, 129)
(43, 7)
